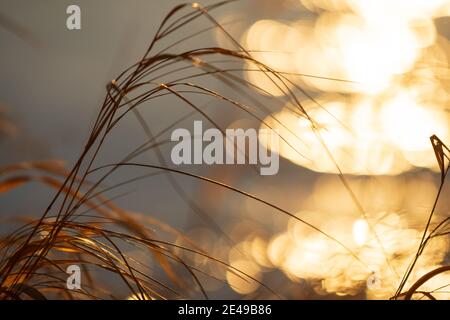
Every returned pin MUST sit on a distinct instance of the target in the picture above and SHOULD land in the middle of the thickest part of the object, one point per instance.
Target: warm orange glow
(362, 137)
(360, 232)
(391, 53)
(376, 122)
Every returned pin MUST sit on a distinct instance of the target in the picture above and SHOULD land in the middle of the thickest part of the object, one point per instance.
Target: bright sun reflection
(362, 137)
(392, 55)
(360, 232)
(377, 122)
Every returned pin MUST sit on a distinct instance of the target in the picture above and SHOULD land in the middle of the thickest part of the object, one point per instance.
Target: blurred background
(374, 75)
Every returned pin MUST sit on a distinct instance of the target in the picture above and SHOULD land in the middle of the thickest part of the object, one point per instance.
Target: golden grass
(83, 226)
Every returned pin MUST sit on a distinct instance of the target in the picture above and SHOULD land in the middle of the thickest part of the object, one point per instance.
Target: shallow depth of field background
(394, 57)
